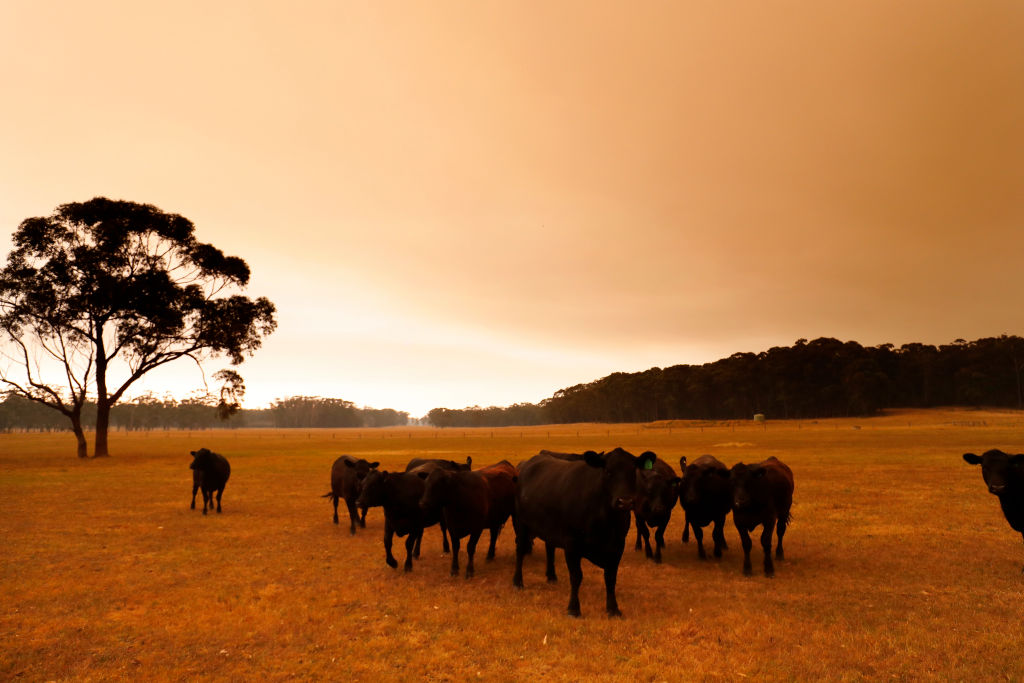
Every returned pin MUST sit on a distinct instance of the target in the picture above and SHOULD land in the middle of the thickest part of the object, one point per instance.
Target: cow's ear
(349, 463)
(682, 462)
(646, 460)
(593, 459)
(972, 458)
(469, 460)
(675, 482)
(422, 475)
(1017, 460)
(374, 465)
(193, 453)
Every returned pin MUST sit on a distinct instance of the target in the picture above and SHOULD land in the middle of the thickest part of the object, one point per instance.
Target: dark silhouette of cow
(347, 474)
(471, 502)
(1004, 476)
(400, 493)
(706, 497)
(657, 491)
(210, 472)
(428, 464)
(762, 494)
(582, 506)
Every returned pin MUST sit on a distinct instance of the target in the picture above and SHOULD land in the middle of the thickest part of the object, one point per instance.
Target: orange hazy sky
(457, 203)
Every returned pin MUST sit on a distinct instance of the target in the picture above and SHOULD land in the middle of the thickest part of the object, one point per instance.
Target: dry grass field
(899, 564)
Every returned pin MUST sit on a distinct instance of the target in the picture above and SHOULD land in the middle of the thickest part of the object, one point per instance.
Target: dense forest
(821, 378)
(148, 412)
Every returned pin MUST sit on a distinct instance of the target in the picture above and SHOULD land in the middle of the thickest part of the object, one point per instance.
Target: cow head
(998, 469)
(701, 482)
(659, 491)
(372, 493)
(362, 467)
(619, 468)
(435, 489)
(744, 481)
(200, 458)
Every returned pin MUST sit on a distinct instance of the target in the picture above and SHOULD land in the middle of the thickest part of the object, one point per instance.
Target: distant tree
(101, 292)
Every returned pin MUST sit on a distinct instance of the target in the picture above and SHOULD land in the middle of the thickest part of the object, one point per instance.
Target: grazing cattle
(471, 502)
(761, 494)
(210, 472)
(706, 497)
(400, 494)
(347, 474)
(657, 491)
(428, 464)
(1004, 476)
(582, 506)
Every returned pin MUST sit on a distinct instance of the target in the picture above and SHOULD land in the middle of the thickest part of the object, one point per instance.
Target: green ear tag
(648, 464)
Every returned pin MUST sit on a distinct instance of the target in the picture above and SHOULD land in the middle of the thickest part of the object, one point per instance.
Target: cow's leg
(523, 543)
(780, 530)
(456, 543)
(549, 567)
(335, 500)
(220, 492)
(1022, 536)
(766, 546)
(659, 542)
(642, 530)
(207, 499)
(195, 488)
(636, 519)
(410, 544)
(495, 530)
(611, 573)
(698, 535)
(718, 534)
(470, 550)
(353, 515)
(389, 537)
(686, 527)
(572, 562)
(747, 544)
(362, 518)
(444, 538)
(416, 550)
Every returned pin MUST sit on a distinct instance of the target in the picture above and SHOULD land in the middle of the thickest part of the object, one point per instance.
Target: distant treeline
(817, 379)
(148, 412)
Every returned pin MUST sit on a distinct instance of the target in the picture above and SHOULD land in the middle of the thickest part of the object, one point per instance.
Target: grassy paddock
(899, 564)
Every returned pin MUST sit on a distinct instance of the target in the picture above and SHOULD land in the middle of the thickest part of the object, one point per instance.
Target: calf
(347, 474)
(657, 492)
(210, 472)
(582, 506)
(471, 502)
(706, 497)
(400, 494)
(761, 494)
(1004, 476)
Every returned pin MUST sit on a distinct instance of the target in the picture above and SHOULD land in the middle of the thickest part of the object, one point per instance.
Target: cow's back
(779, 478)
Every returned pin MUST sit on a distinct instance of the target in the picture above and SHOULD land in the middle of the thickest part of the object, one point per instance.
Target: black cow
(471, 502)
(347, 474)
(761, 494)
(1004, 475)
(428, 464)
(400, 494)
(582, 506)
(210, 472)
(706, 497)
(657, 492)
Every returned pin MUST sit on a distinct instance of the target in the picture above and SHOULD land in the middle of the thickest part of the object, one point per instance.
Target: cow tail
(329, 494)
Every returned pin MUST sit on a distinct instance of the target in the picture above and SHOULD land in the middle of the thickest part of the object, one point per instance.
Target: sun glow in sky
(458, 203)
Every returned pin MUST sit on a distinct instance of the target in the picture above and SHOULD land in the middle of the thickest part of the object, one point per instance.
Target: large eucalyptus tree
(101, 292)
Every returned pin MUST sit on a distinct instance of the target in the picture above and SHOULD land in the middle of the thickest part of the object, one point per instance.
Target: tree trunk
(102, 426)
(83, 447)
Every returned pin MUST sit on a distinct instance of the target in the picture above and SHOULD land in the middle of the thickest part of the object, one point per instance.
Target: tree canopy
(101, 292)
